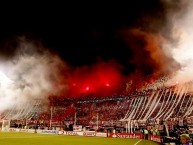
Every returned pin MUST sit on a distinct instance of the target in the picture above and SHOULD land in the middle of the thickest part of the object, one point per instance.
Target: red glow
(87, 88)
(100, 80)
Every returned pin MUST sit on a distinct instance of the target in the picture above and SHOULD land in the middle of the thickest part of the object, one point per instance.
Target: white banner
(77, 128)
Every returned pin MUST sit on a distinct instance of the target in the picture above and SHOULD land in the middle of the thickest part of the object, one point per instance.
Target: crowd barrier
(154, 138)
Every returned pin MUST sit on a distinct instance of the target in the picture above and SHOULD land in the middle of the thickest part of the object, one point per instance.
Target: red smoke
(149, 57)
(99, 80)
(106, 79)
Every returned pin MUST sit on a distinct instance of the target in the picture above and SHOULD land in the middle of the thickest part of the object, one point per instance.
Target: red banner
(156, 138)
(126, 135)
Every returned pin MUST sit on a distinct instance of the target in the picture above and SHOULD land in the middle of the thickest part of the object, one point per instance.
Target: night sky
(86, 34)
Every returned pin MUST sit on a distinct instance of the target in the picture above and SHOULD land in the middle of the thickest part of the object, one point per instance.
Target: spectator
(146, 133)
(185, 139)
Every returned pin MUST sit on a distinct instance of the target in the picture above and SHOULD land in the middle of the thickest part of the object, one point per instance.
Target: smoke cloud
(32, 73)
(161, 41)
(182, 32)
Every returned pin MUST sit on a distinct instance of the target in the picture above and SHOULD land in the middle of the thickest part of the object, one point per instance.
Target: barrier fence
(154, 138)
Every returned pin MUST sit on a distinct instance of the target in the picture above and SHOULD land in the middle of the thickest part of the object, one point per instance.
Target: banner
(126, 135)
(156, 138)
(89, 133)
(77, 128)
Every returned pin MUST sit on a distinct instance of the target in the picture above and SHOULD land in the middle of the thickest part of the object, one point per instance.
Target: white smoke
(31, 74)
(182, 31)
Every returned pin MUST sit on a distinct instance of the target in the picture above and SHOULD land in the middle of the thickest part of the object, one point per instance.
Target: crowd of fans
(107, 112)
(88, 112)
